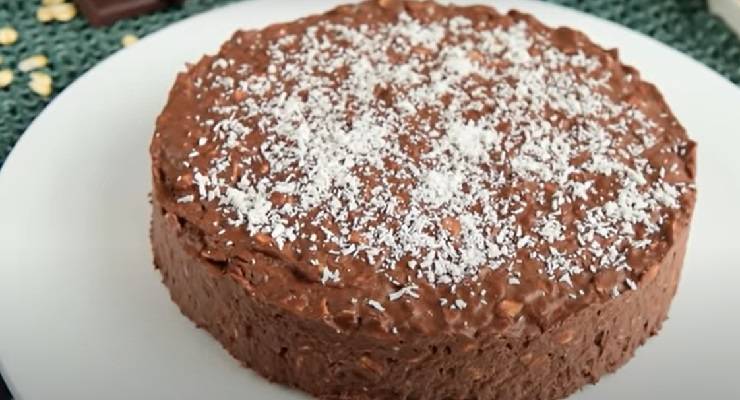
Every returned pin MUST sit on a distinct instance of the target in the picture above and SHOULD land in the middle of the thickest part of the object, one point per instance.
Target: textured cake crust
(524, 332)
(310, 355)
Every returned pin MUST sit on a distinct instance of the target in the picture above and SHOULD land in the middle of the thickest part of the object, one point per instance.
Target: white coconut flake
(328, 275)
(186, 199)
(376, 305)
(404, 291)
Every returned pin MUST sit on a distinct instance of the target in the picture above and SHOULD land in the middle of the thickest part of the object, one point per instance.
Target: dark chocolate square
(106, 12)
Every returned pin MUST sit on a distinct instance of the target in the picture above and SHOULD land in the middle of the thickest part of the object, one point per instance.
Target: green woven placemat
(73, 47)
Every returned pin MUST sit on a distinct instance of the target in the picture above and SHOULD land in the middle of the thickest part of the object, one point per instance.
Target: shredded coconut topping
(438, 147)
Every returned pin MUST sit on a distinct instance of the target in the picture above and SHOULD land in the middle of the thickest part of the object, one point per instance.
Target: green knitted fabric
(75, 46)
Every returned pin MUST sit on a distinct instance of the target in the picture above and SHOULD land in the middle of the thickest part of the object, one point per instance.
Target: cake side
(314, 356)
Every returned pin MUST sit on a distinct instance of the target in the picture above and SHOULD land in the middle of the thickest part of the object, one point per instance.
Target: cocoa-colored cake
(403, 200)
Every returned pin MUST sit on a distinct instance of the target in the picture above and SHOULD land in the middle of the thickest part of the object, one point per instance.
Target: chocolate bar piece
(106, 12)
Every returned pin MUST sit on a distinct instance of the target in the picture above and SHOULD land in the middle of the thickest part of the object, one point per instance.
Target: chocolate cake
(404, 200)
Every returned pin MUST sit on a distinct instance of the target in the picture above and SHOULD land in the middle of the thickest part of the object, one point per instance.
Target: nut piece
(8, 35)
(129, 39)
(357, 237)
(386, 3)
(540, 363)
(565, 336)
(40, 84)
(6, 77)
(475, 373)
(184, 181)
(452, 225)
(33, 62)
(476, 56)
(510, 307)
(263, 239)
(371, 365)
(239, 95)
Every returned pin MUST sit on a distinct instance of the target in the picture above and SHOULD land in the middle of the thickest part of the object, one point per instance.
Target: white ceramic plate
(83, 314)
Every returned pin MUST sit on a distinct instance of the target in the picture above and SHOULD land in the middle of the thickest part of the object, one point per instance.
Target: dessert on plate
(405, 200)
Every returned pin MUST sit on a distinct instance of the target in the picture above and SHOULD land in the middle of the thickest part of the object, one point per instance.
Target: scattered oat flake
(128, 39)
(40, 83)
(33, 62)
(44, 14)
(63, 12)
(6, 77)
(8, 35)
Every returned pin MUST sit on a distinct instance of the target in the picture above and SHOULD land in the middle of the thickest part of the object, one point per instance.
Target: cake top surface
(459, 156)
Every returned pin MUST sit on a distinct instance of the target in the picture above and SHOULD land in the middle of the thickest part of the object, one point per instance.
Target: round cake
(404, 200)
